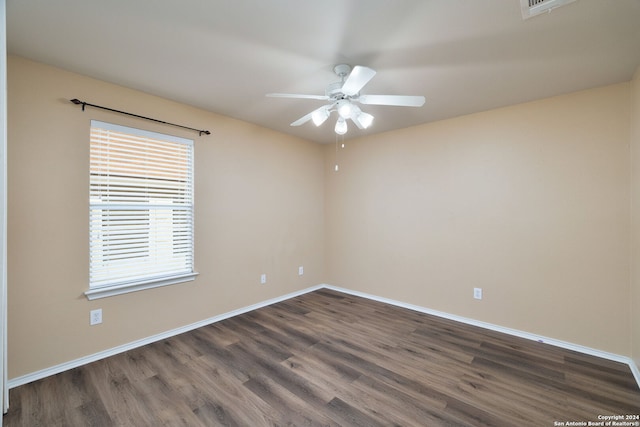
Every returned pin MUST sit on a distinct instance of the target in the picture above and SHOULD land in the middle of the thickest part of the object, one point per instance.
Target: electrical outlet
(263, 279)
(477, 293)
(95, 317)
(300, 271)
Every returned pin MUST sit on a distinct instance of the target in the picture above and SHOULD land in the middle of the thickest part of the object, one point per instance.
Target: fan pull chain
(336, 167)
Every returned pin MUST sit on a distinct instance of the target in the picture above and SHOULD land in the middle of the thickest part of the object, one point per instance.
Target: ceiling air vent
(531, 8)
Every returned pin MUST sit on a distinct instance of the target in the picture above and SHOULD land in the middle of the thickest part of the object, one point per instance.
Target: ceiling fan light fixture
(319, 116)
(345, 108)
(364, 120)
(341, 126)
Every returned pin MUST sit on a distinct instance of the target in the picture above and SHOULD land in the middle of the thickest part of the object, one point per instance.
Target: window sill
(113, 290)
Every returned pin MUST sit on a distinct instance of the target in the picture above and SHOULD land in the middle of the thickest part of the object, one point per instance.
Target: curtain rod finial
(78, 102)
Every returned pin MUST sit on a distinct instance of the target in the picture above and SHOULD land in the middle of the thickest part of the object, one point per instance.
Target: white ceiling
(464, 56)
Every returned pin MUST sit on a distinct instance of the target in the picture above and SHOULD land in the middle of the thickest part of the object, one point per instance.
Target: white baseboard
(24, 379)
(635, 370)
(551, 341)
(34, 376)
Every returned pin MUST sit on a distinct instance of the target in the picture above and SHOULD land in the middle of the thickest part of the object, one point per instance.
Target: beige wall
(529, 202)
(635, 218)
(259, 209)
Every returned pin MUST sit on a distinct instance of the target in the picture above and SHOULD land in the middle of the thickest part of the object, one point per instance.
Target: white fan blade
(304, 119)
(297, 95)
(398, 100)
(358, 77)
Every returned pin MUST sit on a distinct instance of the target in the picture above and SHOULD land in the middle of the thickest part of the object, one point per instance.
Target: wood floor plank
(285, 378)
(403, 408)
(351, 416)
(291, 409)
(225, 396)
(116, 393)
(211, 413)
(331, 359)
(166, 403)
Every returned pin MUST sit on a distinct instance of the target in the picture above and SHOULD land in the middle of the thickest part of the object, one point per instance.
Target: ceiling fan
(343, 94)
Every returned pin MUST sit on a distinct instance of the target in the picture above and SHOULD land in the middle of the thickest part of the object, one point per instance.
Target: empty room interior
(419, 212)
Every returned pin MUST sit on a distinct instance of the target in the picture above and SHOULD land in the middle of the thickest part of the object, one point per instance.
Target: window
(140, 210)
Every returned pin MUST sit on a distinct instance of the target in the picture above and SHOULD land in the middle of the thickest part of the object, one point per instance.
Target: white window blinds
(141, 206)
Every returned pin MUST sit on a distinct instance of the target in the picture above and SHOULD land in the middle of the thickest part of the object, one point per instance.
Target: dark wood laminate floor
(326, 358)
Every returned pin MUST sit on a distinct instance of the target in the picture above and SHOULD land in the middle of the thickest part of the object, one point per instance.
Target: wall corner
(635, 218)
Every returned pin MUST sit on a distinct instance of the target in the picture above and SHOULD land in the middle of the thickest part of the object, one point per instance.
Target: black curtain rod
(84, 104)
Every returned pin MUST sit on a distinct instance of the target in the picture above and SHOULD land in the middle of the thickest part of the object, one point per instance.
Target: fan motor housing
(334, 91)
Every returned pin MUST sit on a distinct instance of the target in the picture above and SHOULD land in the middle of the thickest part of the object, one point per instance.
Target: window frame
(100, 203)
